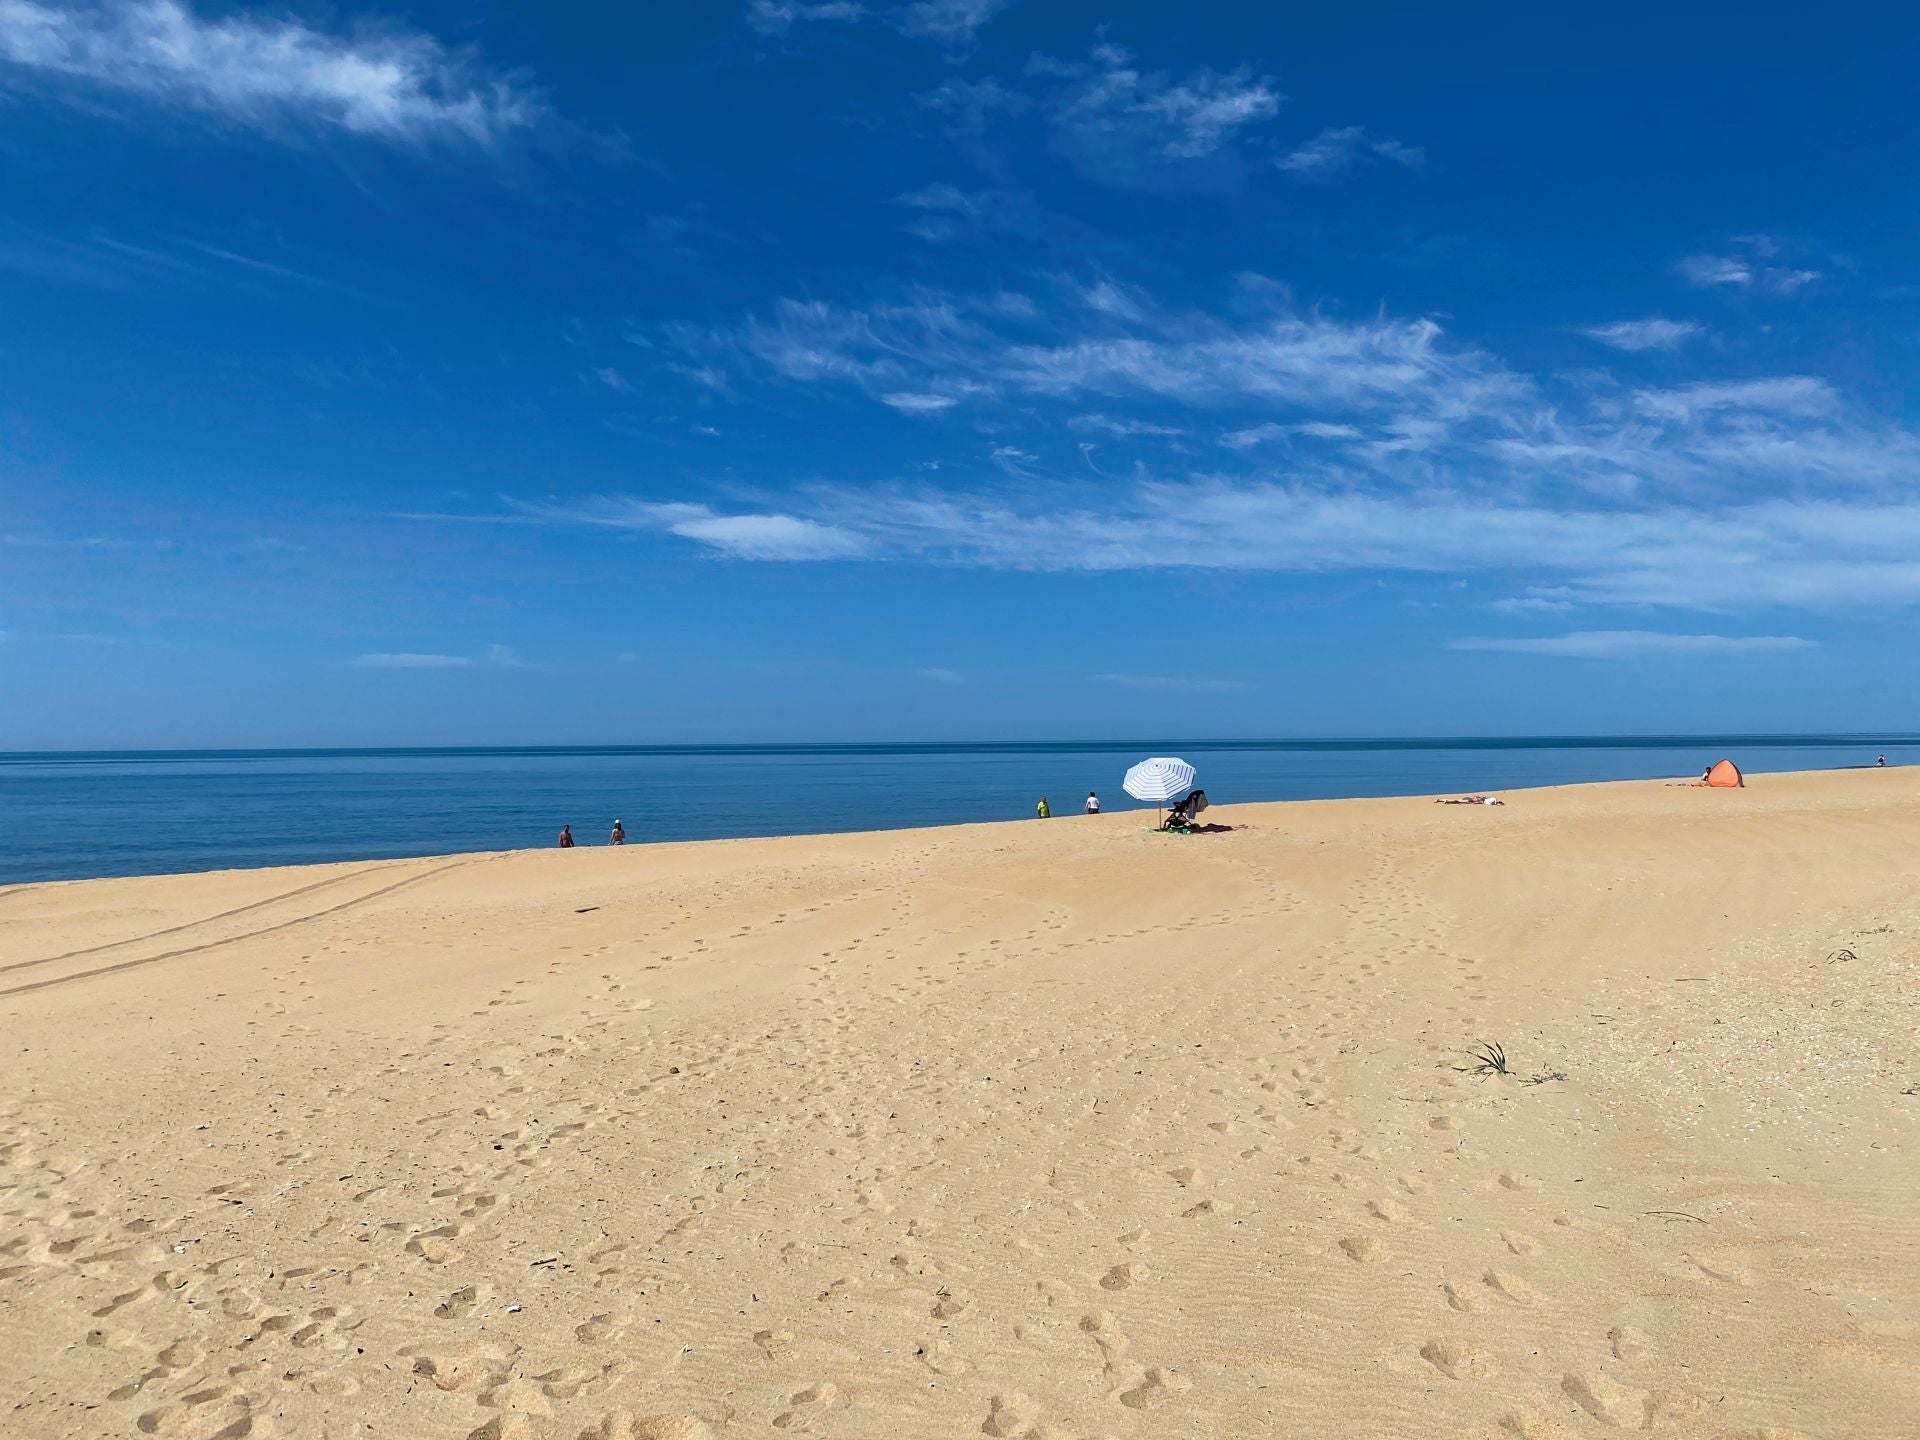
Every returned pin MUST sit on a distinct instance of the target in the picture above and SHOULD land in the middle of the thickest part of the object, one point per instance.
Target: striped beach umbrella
(1160, 779)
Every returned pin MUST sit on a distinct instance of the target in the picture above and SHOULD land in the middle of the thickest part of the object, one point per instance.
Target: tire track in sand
(190, 924)
(230, 939)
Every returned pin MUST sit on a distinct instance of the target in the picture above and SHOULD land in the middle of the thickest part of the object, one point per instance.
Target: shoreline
(1134, 809)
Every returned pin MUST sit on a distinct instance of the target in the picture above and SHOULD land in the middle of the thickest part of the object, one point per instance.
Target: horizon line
(1647, 739)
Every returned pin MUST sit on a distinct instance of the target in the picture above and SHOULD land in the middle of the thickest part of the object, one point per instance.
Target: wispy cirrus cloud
(499, 656)
(97, 259)
(709, 378)
(1374, 444)
(1120, 122)
(1798, 395)
(1755, 263)
(1342, 147)
(970, 108)
(940, 196)
(1123, 429)
(1816, 555)
(1263, 433)
(1545, 602)
(777, 17)
(1401, 401)
(1124, 348)
(57, 637)
(1653, 333)
(411, 660)
(942, 212)
(502, 657)
(748, 535)
(1171, 682)
(1632, 644)
(1267, 432)
(67, 542)
(952, 23)
(270, 73)
(909, 402)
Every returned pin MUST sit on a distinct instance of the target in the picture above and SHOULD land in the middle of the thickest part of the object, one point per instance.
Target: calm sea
(65, 816)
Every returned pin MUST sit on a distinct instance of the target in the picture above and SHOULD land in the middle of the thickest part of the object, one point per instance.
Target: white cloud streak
(1653, 333)
(777, 17)
(747, 536)
(1398, 390)
(1123, 429)
(1633, 644)
(910, 403)
(1754, 265)
(269, 73)
(939, 196)
(942, 345)
(411, 660)
(1367, 445)
(499, 656)
(1792, 554)
(1342, 147)
(1170, 682)
(1254, 435)
(1119, 122)
(952, 23)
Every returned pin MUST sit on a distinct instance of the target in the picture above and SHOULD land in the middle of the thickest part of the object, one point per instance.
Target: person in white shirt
(1093, 803)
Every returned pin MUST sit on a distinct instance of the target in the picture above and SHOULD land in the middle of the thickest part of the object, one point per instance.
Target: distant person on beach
(619, 836)
(566, 837)
(1093, 803)
(1043, 810)
(1881, 761)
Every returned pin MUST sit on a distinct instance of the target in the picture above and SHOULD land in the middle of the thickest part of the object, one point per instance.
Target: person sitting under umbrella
(1186, 814)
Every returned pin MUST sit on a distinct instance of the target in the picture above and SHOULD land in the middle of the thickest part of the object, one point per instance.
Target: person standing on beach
(1093, 803)
(566, 837)
(1043, 810)
(619, 836)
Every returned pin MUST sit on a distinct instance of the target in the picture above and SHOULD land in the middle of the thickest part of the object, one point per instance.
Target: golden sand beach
(1038, 1130)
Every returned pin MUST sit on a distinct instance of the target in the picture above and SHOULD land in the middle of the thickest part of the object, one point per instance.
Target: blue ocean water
(67, 816)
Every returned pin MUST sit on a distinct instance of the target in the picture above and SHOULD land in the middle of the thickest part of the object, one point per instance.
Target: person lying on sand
(1472, 800)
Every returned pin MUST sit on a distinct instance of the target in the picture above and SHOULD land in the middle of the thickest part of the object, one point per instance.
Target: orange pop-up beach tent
(1724, 776)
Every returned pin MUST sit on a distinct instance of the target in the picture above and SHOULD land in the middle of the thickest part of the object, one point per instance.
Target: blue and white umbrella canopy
(1159, 780)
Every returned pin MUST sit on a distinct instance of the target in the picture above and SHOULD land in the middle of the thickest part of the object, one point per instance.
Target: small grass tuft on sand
(1489, 1058)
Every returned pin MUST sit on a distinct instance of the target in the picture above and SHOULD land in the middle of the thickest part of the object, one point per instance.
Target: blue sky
(953, 369)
